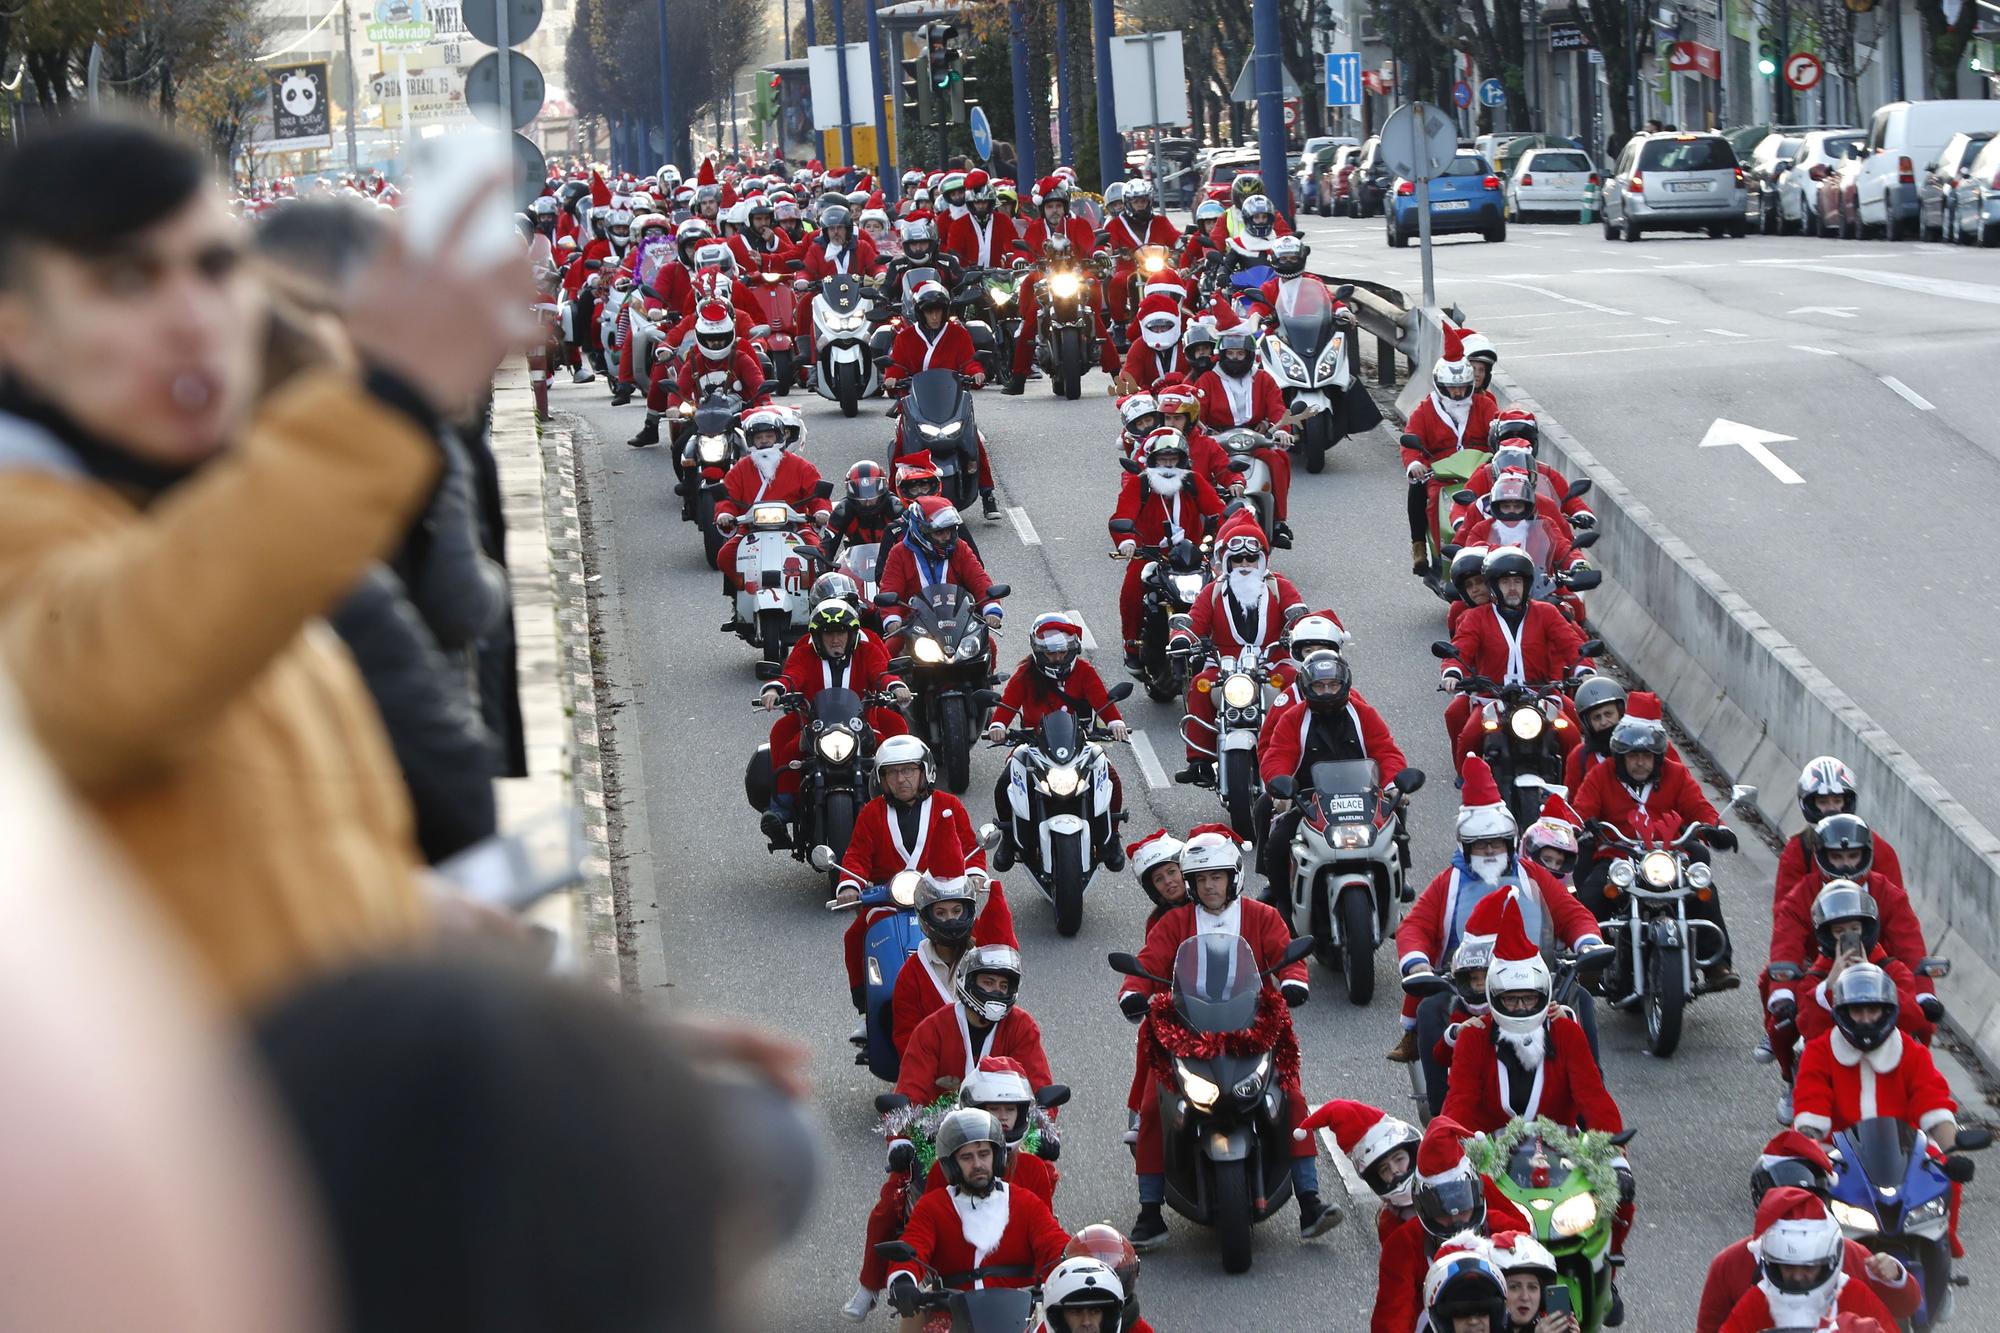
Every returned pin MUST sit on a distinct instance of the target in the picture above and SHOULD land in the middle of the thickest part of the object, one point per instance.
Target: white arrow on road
(1752, 441)
(1837, 311)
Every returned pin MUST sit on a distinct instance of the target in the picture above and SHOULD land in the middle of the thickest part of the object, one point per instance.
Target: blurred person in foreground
(168, 543)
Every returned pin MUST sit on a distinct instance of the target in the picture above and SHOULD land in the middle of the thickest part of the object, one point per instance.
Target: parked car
(1973, 212)
(1511, 146)
(1797, 192)
(1902, 137)
(1466, 197)
(1760, 179)
(1941, 175)
(1371, 179)
(1223, 166)
(1549, 180)
(1177, 186)
(1312, 177)
(1834, 208)
(1337, 185)
(1675, 182)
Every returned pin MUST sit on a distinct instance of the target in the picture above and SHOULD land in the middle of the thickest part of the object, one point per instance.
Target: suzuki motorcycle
(1307, 353)
(1892, 1196)
(1174, 576)
(1349, 860)
(1066, 322)
(836, 743)
(1057, 819)
(777, 569)
(1225, 1129)
(844, 361)
(934, 415)
(948, 668)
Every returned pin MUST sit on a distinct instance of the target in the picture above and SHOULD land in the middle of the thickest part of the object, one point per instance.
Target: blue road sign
(1343, 78)
(1461, 93)
(1492, 93)
(982, 134)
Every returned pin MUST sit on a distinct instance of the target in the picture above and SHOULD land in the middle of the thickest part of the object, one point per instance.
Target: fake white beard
(1488, 868)
(1510, 534)
(1454, 410)
(1160, 342)
(984, 1221)
(1247, 587)
(1166, 480)
(766, 461)
(1805, 1311)
(1528, 1047)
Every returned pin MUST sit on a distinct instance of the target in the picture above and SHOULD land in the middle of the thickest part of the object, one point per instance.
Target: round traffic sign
(1492, 93)
(982, 133)
(1802, 70)
(481, 19)
(1418, 141)
(1291, 114)
(1461, 93)
(482, 89)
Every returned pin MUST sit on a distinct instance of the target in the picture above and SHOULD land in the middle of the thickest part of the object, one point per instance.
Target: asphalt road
(722, 926)
(1877, 359)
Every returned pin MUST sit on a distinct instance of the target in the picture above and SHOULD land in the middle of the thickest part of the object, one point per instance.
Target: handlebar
(1617, 837)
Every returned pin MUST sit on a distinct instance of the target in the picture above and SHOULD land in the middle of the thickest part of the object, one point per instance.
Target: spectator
(168, 544)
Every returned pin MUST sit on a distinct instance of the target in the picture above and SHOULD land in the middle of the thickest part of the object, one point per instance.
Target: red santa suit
(1839, 1085)
(993, 244)
(1567, 1087)
(1436, 430)
(905, 574)
(1546, 541)
(1254, 401)
(1218, 618)
(1008, 1239)
(865, 671)
(1125, 240)
(915, 349)
(1032, 696)
(823, 260)
(1796, 863)
(1289, 726)
(945, 1049)
(1662, 809)
(1733, 1272)
(1147, 367)
(1406, 1254)
(1541, 646)
(793, 481)
(1902, 935)
(1849, 1302)
(1550, 486)
(945, 846)
(1083, 241)
(922, 988)
(1187, 514)
(762, 254)
(697, 375)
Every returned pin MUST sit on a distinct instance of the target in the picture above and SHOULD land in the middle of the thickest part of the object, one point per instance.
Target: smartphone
(1556, 1300)
(445, 174)
(515, 870)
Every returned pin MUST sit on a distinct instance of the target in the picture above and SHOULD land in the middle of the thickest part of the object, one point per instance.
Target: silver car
(1675, 182)
(1973, 215)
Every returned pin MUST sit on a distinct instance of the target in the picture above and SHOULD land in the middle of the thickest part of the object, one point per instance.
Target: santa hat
(815, 165)
(999, 1078)
(1517, 964)
(877, 201)
(728, 195)
(1793, 1227)
(1216, 830)
(1441, 1155)
(1159, 303)
(1791, 1145)
(1454, 343)
(977, 180)
(1481, 812)
(1155, 849)
(1364, 1131)
(865, 181)
(1482, 926)
(706, 176)
(1045, 186)
(1645, 706)
(1242, 524)
(1558, 809)
(600, 193)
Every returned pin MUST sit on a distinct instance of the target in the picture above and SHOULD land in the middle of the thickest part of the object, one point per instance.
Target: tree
(1608, 25)
(613, 64)
(1946, 40)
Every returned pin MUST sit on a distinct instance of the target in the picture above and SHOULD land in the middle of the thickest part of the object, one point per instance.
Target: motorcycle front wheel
(1233, 1214)
(1666, 1001)
(836, 827)
(1240, 782)
(1357, 936)
(771, 634)
(1066, 885)
(954, 746)
(1315, 438)
(1069, 364)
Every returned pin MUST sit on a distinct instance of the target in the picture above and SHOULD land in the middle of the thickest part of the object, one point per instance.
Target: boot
(859, 1304)
(1114, 853)
(1015, 387)
(623, 393)
(582, 374)
(1785, 1106)
(648, 433)
(1003, 855)
(1420, 560)
(1404, 1052)
(1764, 1055)
(1150, 1230)
(1720, 977)
(1134, 663)
(775, 831)
(1316, 1217)
(1198, 773)
(988, 506)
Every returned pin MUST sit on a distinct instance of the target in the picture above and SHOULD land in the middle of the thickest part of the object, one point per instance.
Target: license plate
(1450, 205)
(1687, 187)
(1345, 805)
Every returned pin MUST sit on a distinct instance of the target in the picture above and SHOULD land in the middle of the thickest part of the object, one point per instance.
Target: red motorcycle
(782, 310)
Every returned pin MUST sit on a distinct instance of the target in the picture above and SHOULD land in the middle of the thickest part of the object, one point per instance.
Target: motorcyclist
(1827, 787)
(1648, 796)
(983, 1020)
(862, 515)
(947, 911)
(1484, 356)
(1801, 1282)
(1514, 640)
(936, 340)
(1055, 675)
(768, 471)
(1600, 703)
(1447, 420)
(920, 250)
(1212, 861)
(1131, 230)
(838, 248)
(791, 221)
(1156, 353)
(1512, 520)
(1237, 394)
(1555, 840)
(1156, 863)
(1053, 221)
(930, 554)
(1165, 502)
(1106, 1244)
(1516, 426)
(1139, 417)
(1464, 1291)
(1529, 1270)
(1082, 1296)
(1246, 190)
(1180, 409)
(1383, 1151)
(984, 237)
(1451, 1197)
(1248, 607)
(722, 362)
(836, 652)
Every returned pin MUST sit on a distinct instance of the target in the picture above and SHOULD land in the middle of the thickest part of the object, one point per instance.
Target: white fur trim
(1812, 1126)
(1777, 995)
(1930, 1120)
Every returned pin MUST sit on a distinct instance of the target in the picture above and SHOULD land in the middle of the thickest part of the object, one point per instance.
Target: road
(720, 925)
(1877, 359)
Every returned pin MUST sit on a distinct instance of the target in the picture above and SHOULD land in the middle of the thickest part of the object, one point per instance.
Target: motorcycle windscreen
(914, 278)
(1216, 983)
(1345, 789)
(717, 414)
(861, 561)
(993, 1310)
(837, 707)
(934, 396)
(944, 609)
(1883, 1146)
(843, 293)
(1305, 315)
(1059, 736)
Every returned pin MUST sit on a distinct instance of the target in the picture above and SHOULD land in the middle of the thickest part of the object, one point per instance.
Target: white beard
(1247, 587)
(766, 461)
(1166, 481)
(1807, 1311)
(1454, 410)
(984, 1221)
(1529, 1047)
(1510, 534)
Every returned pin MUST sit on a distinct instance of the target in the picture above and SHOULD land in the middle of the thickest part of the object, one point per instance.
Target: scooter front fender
(1226, 1145)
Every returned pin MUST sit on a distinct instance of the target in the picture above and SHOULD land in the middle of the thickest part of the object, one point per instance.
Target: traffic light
(916, 80)
(1767, 53)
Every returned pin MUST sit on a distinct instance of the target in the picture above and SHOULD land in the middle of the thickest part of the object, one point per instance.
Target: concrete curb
(558, 685)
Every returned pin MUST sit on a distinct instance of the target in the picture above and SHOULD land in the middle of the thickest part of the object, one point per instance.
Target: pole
(1154, 132)
(1110, 147)
(812, 27)
(735, 133)
(886, 164)
(1424, 234)
(403, 101)
(1632, 21)
(1270, 103)
(1897, 91)
(353, 94)
(840, 70)
(504, 49)
(667, 125)
(1024, 123)
(788, 27)
(1065, 144)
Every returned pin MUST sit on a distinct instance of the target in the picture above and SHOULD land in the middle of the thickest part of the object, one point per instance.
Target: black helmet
(968, 1125)
(1502, 561)
(1864, 983)
(931, 892)
(1840, 901)
(1454, 1203)
(834, 615)
(931, 296)
(1843, 833)
(1468, 564)
(1796, 1172)
(1638, 733)
(836, 216)
(1325, 680)
(1238, 352)
(834, 585)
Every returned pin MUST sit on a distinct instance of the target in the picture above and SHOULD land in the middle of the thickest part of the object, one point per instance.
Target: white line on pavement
(1726, 333)
(1909, 395)
(1149, 763)
(1649, 333)
(1657, 319)
(1816, 351)
(1983, 293)
(1356, 1191)
(1089, 641)
(1024, 526)
(1650, 350)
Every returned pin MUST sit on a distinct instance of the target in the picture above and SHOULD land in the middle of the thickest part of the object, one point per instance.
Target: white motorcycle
(1307, 354)
(1241, 444)
(844, 369)
(1057, 818)
(777, 569)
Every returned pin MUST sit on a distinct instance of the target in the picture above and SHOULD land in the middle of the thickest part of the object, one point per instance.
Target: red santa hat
(1643, 705)
(1558, 809)
(1793, 1227)
(1454, 343)
(706, 175)
(977, 180)
(1242, 524)
(1218, 830)
(1790, 1145)
(999, 1078)
(815, 165)
(1482, 924)
(1441, 1155)
(876, 200)
(1154, 849)
(1481, 812)
(1365, 1132)
(864, 181)
(1517, 963)
(600, 193)
(728, 194)
(1046, 186)
(1159, 303)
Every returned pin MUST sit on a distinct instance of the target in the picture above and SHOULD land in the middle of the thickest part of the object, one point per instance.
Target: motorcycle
(705, 442)
(1890, 1195)
(991, 296)
(934, 416)
(1244, 693)
(1148, 263)
(948, 668)
(846, 369)
(1057, 819)
(779, 302)
(1307, 354)
(1550, 1180)
(1452, 472)
(1174, 576)
(893, 935)
(833, 765)
(981, 1310)
(1521, 724)
(777, 569)
(1349, 861)
(1241, 444)
(1066, 332)
(1224, 1126)
(1660, 947)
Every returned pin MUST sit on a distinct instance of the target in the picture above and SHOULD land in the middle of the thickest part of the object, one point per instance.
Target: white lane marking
(1356, 1191)
(1656, 319)
(1651, 349)
(1649, 333)
(1089, 640)
(1836, 311)
(1539, 314)
(1149, 763)
(1024, 526)
(1982, 293)
(1724, 433)
(1816, 351)
(1726, 333)
(1509, 280)
(1909, 395)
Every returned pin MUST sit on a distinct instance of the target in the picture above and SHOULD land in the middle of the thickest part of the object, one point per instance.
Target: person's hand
(725, 521)
(1119, 731)
(1557, 1323)
(903, 1293)
(1884, 1269)
(428, 320)
(902, 1157)
(1945, 1135)
(996, 733)
(1295, 992)
(1279, 805)
(900, 692)
(771, 696)
(1127, 548)
(992, 619)
(1456, 683)
(1133, 1005)
(978, 379)
(847, 893)
(1235, 489)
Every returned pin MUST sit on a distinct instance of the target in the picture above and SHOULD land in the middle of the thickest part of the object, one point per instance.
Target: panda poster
(301, 108)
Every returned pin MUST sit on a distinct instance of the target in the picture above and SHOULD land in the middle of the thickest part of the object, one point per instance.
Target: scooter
(1890, 1195)
(893, 935)
(948, 667)
(777, 569)
(779, 302)
(1242, 444)
(1174, 577)
(1349, 861)
(844, 362)
(1057, 818)
(934, 415)
(832, 764)
(1307, 354)
(1224, 1125)
(1565, 1185)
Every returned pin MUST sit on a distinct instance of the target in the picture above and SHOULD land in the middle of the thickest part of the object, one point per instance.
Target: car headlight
(1659, 870)
(1699, 876)
(1329, 357)
(1573, 1217)
(1860, 1219)
(1066, 285)
(1198, 1089)
(927, 650)
(1525, 723)
(1239, 691)
(968, 648)
(836, 746)
(712, 448)
(1620, 874)
(1061, 780)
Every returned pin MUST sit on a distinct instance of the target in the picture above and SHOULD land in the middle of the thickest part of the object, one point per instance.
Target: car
(1466, 197)
(1339, 179)
(1511, 146)
(1549, 180)
(1312, 176)
(1973, 216)
(1760, 180)
(1222, 168)
(1371, 179)
(1940, 176)
(1833, 209)
(1796, 195)
(1901, 137)
(1674, 182)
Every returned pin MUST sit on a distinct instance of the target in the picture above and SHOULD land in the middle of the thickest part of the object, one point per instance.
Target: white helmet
(1519, 1252)
(1479, 347)
(1155, 851)
(1448, 375)
(905, 749)
(715, 254)
(1214, 848)
(1001, 958)
(1813, 1240)
(765, 419)
(1134, 406)
(987, 1087)
(1160, 330)
(1310, 633)
(1078, 1282)
(1825, 776)
(715, 331)
(1517, 974)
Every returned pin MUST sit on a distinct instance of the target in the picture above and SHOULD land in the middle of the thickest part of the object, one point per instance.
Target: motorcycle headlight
(1659, 870)
(1187, 586)
(969, 648)
(1329, 357)
(836, 746)
(1620, 874)
(847, 323)
(1525, 723)
(1252, 1083)
(1061, 780)
(767, 515)
(999, 295)
(1699, 876)
(1350, 837)
(1860, 1219)
(1573, 1217)
(1923, 1214)
(1066, 285)
(927, 651)
(712, 448)
(1154, 263)
(1239, 691)
(1199, 1090)
(1289, 361)
(930, 432)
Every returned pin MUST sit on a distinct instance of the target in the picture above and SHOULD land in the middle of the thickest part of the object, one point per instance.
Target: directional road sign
(1802, 70)
(982, 134)
(1492, 93)
(1343, 78)
(1461, 93)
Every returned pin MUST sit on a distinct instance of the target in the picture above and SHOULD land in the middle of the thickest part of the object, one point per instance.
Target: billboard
(301, 108)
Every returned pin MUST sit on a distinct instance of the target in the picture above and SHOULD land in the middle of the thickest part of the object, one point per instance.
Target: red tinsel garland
(1172, 1039)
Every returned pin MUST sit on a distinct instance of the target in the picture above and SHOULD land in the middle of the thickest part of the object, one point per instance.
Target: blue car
(1467, 197)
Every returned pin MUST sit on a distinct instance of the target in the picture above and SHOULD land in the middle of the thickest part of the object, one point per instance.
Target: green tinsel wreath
(1591, 1150)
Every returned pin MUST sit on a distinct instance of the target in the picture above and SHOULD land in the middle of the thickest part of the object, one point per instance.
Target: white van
(1903, 138)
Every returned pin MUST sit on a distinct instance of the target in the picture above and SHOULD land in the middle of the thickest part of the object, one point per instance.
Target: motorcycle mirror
(769, 670)
(986, 698)
(1180, 620)
(1463, 496)
(1582, 486)
(1126, 965)
(1740, 796)
(888, 1102)
(1133, 466)
(1123, 525)
(821, 858)
(1411, 442)
(1596, 959)
(1450, 551)
(1786, 972)
(1239, 465)
(1974, 1138)
(1624, 1136)
(997, 590)
(895, 1251)
(1444, 650)
(1586, 539)
(1344, 292)
(885, 599)
(989, 836)
(1423, 985)
(1409, 781)
(1294, 951)
(1591, 647)
(1122, 690)
(1282, 788)
(1958, 1170)
(1054, 1095)
(795, 265)
(1934, 967)
(823, 491)
(1583, 580)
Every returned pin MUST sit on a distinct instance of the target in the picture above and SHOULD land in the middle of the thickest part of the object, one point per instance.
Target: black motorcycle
(934, 415)
(948, 669)
(1066, 321)
(1225, 1127)
(705, 444)
(1175, 574)
(1521, 729)
(980, 1310)
(1055, 812)
(989, 302)
(836, 745)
